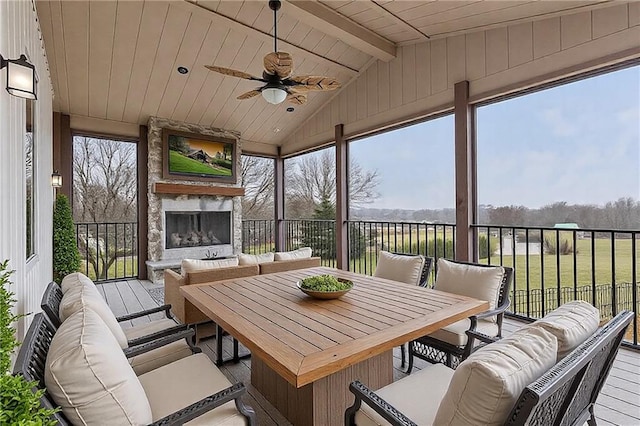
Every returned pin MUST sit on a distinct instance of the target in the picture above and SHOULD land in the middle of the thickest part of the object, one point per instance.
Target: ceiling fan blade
(278, 63)
(312, 82)
(249, 94)
(233, 73)
(297, 98)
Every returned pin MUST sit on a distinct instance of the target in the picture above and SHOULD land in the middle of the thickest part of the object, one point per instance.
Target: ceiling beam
(327, 20)
(217, 18)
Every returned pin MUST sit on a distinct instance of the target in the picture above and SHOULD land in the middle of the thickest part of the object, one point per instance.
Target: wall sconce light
(21, 77)
(56, 179)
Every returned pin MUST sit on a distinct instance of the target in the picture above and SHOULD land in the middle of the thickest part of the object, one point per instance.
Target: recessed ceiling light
(276, 130)
(183, 70)
(290, 109)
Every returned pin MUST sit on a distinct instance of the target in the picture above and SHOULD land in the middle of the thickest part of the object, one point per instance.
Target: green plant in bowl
(325, 286)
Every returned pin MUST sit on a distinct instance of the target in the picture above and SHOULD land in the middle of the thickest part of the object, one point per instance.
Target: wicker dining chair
(452, 344)
(383, 271)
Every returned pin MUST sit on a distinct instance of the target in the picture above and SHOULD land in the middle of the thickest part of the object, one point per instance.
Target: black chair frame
(564, 395)
(52, 298)
(433, 350)
(32, 356)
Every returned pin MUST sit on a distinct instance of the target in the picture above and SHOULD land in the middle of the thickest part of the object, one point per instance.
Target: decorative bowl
(326, 294)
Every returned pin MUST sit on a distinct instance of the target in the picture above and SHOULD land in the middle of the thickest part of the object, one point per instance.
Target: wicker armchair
(32, 359)
(400, 267)
(453, 344)
(565, 394)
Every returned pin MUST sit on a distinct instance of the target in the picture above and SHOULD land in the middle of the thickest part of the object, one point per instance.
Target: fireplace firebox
(197, 229)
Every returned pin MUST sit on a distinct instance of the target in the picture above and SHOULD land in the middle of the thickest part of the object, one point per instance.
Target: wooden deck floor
(618, 404)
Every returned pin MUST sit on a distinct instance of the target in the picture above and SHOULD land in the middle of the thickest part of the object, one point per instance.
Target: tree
(104, 180)
(257, 178)
(312, 178)
(66, 258)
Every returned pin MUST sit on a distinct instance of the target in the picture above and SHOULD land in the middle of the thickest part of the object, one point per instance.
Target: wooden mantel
(181, 189)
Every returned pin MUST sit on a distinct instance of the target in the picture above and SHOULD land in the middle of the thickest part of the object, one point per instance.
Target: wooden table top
(304, 339)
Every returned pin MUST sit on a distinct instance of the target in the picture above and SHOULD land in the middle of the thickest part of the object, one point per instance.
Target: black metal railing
(551, 265)
(108, 250)
(556, 265)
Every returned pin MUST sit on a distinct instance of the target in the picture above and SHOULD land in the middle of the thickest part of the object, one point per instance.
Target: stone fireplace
(188, 225)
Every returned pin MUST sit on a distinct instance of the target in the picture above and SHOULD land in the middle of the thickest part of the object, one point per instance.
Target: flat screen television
(192, 156)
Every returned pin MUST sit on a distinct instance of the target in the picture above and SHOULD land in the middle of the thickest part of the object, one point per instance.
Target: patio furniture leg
(403, 350)
(410, 363)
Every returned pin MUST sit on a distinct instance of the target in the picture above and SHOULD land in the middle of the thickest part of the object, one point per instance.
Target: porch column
(63, 152)
(143, 201)
(342, 193)
(465, 163)
(279, 202)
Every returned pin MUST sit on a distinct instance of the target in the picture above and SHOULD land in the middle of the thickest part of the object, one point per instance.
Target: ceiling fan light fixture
(274, 95)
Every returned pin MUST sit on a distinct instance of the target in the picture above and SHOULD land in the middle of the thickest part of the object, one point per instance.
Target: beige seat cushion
(194, 265)
(455, 333)
(571, 323)
(301, 253)
(87, 374)
(74, 280)
(181, 383)
(255, 259)
(81, 296)
(416, 396)
(478, 282)
(485, 387)
(148, 328)
(406, 269)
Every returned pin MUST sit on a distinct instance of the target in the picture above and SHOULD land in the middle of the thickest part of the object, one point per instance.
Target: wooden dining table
(306, 351)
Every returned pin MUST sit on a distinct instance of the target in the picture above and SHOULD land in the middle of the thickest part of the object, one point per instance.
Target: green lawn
(123, 267)
(180, 164)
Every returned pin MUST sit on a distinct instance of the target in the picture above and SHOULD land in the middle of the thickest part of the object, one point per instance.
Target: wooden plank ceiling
(117, 60)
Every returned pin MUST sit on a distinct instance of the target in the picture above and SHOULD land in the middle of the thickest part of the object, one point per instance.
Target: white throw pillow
(301, 253)
(255, 259)
(74, 280)
(571, 323)
(486, 386)
(87, 296)
(479, 282)
(195, 265)
(88, 375)
(406, 269)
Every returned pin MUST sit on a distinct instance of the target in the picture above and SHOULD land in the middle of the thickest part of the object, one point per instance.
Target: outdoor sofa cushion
(87, 296)
(255, 259)
(478, 282)
(571, 323)
(194, 265)
(73, 280)
(177, 385)
(485, 387)
(84, 294)
(301, 253)
(88, 375)
(396, 267)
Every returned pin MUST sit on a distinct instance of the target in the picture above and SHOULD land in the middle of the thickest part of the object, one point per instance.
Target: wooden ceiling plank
(128, 22)
(202, 83)
(146, 49)
(215, 101)
(250, 11)
(401, 29)
(229, 9)
(102, 24)
(46, 25)
(510, 16)
(173, 36)
(61, 61)
(462, 12)
(76, 39)
(331, 22)
(190, 49)
(252, 32)
(250, 49)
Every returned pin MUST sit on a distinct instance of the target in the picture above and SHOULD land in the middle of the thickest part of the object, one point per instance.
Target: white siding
(420, 80)
(19, 33)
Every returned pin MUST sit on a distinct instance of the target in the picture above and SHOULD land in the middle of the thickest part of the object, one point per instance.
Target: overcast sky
(578, 143)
